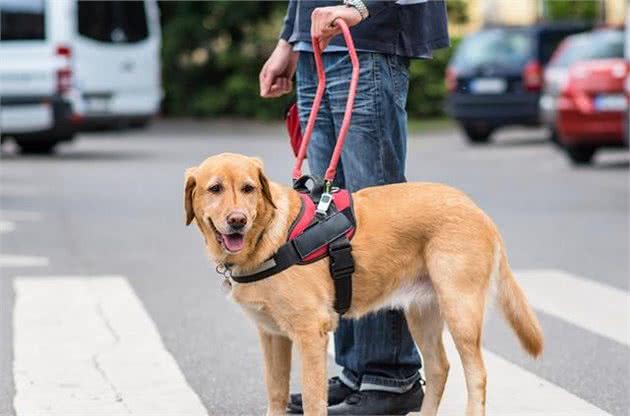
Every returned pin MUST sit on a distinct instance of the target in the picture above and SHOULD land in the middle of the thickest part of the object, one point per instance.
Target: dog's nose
(236, 220)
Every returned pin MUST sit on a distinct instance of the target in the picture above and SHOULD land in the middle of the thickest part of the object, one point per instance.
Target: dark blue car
(495, 77)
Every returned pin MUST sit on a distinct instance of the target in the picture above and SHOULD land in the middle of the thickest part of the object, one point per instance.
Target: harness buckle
(341, 261)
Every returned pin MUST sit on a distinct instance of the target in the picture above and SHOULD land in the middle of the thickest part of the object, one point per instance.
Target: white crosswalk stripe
(12, 260)
(6, 226)
(13, 215)
(511, 391)
(586, 303)
(86, 346)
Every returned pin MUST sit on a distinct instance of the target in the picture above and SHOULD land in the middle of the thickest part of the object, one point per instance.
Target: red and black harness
(326, 222)
(314, 235)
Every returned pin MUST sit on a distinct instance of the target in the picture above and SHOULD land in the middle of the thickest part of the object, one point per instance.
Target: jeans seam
(392, 72)
(376, 97)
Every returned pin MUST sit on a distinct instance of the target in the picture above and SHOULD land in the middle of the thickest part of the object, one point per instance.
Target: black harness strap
(341, 269)
(328, 230)
(319, 234)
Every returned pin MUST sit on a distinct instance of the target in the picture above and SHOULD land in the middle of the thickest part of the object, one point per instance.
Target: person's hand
(276, 75)
(323, 24)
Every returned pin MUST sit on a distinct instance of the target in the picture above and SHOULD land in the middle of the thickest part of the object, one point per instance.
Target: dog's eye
(248, 189)
(215, 189)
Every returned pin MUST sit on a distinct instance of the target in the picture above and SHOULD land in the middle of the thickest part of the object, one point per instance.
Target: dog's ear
(264, 183)
(189, 186)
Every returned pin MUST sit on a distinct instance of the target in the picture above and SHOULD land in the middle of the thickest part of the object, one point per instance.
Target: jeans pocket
(399, 73)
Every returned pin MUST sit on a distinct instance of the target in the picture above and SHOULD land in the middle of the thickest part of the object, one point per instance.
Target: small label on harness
(324, 203)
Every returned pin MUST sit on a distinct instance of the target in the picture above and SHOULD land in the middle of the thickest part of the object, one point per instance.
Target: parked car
(592, 108)
(495, 77)
(40, 104)
(598, 44)
(67, 65)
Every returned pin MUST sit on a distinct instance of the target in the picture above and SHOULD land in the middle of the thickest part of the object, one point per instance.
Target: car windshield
(499, 47)
(587, 46)
(22, 20)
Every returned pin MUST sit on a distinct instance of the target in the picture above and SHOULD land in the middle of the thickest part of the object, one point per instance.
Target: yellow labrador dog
(423, 247)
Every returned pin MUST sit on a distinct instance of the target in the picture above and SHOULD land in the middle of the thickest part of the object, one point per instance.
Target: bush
(212, 53)
(427, 89)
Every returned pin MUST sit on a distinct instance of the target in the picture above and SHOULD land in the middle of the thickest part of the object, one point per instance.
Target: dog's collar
(310, 238)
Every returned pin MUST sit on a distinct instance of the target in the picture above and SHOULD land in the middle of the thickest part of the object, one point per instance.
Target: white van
(68, 64)
(117, 51)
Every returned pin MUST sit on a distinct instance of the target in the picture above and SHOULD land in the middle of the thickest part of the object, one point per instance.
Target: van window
(497, 47)
(22, 20)
(113, 21)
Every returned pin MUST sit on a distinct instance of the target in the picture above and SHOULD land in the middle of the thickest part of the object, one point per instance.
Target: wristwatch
(360, 6)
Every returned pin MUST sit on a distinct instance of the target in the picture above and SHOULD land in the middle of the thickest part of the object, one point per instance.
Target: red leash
(321, 75)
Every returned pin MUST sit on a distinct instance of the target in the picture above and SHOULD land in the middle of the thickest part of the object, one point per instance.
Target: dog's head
(229, 197)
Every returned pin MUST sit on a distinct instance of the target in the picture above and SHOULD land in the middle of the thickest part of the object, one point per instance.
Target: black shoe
(337, 393)
(380, 403)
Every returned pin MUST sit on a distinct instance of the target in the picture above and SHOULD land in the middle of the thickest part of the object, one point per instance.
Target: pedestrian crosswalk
(585, 303)
(8, 224)
(84, 345)
(13, 260)
(511, 391)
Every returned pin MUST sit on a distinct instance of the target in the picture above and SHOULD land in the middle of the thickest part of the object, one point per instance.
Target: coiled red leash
(321, 86)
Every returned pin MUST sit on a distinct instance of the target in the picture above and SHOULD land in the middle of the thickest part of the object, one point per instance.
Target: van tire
(43, 147)
(477, 134)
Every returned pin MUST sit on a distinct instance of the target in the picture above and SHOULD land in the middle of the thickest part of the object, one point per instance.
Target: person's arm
(276, 76)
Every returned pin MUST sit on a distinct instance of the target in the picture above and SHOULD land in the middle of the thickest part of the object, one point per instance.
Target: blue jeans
(376, 352)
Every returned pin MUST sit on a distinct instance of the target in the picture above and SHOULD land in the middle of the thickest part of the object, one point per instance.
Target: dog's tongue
(233, 242)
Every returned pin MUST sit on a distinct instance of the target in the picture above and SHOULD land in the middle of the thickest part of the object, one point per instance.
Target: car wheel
(580, 155)
(477, 134)
(554, 137)
(42, 147)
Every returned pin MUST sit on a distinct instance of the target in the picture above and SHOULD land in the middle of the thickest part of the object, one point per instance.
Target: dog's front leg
(277, 355)
(312, 349)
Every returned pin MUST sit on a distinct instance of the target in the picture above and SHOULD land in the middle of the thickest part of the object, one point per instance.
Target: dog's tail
(516, 309)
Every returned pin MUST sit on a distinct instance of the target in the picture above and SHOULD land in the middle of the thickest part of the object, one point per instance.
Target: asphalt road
(111, 204)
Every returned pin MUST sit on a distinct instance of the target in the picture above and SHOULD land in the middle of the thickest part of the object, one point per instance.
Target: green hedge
(427, 89)
(212, 53)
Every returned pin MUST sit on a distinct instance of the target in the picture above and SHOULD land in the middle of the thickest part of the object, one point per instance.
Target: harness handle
(321, 85)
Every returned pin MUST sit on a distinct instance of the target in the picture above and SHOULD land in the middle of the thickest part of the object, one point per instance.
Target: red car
(592, 108)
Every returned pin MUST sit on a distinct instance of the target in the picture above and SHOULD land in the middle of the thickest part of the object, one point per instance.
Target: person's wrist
(359, 7)
(355, 11)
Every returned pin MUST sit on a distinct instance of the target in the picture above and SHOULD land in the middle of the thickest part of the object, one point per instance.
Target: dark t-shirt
(411, 28)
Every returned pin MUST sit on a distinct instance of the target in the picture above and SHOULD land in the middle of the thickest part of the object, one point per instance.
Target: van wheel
(140, 123)
(36, 147)
(580, 155)
(477, 134)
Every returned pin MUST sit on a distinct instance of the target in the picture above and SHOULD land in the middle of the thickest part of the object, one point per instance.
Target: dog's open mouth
(233, 242)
